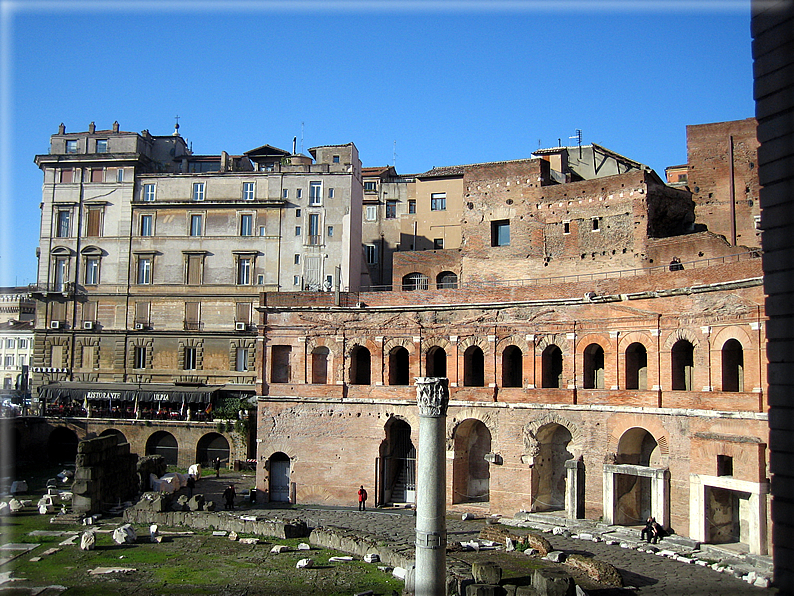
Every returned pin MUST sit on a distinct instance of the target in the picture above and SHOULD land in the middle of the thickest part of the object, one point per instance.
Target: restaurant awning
(65, 392)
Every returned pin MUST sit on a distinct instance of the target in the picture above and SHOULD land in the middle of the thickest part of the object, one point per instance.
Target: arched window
(732, 366)
(473, 367)
(512, 367)
(399, 367)
(683, 363)
(360, 366)
(552, 367)
(436, 362)
(594, 367)
(320, 365)
(415, 281)
(446, 280)
(637, 367)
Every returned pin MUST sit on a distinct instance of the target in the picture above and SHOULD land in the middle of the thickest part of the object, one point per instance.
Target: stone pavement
(678, 568)
(647, 574)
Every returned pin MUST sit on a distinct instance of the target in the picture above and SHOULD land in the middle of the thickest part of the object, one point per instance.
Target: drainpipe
(76, 277)
(659, 360)
(732, 194)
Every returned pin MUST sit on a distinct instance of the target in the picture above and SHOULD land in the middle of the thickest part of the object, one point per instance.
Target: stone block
(553, 582)
(88, 541)
(556, 556)
(486, 572)
(483, 590)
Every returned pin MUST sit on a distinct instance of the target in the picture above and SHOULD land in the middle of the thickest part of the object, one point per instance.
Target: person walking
(217, 465)
(228, 496)
(191, 483)
(362, 498)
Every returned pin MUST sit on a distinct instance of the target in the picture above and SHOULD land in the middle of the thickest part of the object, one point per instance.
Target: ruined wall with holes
(333, 432)
(711, 151)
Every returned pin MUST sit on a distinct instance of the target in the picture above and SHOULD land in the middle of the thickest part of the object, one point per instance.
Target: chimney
(294, 145)
(116, 126)
(62, 129)
(92, 128)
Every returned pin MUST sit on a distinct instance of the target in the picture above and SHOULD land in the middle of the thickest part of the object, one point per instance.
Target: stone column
(432, 397)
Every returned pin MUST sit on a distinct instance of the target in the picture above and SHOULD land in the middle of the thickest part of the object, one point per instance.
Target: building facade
(152, 259)
(605, 355)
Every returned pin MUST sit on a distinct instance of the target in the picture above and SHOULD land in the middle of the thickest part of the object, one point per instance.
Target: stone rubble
(753, 569)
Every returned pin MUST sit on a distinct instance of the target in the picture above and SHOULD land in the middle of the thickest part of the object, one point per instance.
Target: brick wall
(709, 150)
(773, 35)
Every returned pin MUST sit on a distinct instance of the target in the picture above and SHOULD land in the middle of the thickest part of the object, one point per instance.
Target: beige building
(17, 314)
(152, 258)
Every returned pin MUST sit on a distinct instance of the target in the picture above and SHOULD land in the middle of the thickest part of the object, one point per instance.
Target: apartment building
(152, 258)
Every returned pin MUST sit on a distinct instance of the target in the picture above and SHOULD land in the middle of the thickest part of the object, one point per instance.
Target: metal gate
(279, 480)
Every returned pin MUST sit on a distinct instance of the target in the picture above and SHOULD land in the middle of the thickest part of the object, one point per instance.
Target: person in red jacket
(362, 498)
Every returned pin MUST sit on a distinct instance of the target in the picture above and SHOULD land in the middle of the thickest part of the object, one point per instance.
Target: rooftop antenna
(301, 138)
(394, 155)
(539, 145)
(578, 137)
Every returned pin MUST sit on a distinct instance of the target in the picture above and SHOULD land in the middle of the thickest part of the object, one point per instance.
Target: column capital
(432, 396)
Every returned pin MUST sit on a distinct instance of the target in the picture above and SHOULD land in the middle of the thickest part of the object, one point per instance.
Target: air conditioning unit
(239, 326)
(88, 325)
(55, 324)
(138, 326)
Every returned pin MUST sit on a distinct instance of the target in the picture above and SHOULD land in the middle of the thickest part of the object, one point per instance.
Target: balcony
(193, 325)
(45, 289)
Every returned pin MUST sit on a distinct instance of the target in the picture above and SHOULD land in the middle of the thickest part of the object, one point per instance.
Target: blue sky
(448, 82)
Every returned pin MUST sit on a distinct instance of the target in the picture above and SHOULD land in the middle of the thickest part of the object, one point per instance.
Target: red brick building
(605, 358)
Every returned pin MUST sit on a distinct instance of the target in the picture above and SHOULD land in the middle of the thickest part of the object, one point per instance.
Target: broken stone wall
(106, 474)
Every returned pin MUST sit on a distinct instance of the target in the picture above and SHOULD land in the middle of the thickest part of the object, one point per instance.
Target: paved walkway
(647, 574)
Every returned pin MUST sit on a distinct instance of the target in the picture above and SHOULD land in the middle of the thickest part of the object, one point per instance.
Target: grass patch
(197, 563)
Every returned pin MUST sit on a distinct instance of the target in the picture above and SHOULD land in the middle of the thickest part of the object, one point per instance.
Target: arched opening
(415, 281)
(633, 494)
(637, 367)
(163, 443)
(548, 472)
(62, 446)
(399, 367)
(436, 362)
(552, 367)
(360, 366)
(683, 363)
(512, 367)
(398, 463)
(732, 366)
(114, 432)
(320, 365)
(210, 447)
(279, 485)
(446, 280)
(471, 472)
(593, 367)
(473, 367)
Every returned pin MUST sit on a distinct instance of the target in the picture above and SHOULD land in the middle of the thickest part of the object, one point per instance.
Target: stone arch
(211, 446)
(473, 340)
(530, 434)
(399, 342)
(719, 337)
(435, 342)
(335, 363)
(116, 433)
(471, 443)
(163, 443)
(651, 425)
(398, 461)
(679, 334)
(487, 418)
(516, 340)
(62, 445)
(558, 339)
(359, 357)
